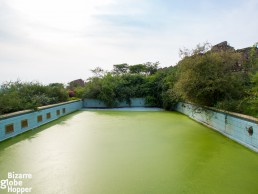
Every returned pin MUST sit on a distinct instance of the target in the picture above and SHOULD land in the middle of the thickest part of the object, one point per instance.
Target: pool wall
(135, 102)
(241, 128)
(20, 122)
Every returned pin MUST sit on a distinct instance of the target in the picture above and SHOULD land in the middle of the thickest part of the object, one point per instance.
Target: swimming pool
(131, 152)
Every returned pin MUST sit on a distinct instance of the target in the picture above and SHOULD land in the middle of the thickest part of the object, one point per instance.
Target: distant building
(245, 54)
(76, 83)
(223, 46)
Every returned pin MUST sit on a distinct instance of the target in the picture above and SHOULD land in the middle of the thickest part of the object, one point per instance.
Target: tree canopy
(222, 78)
(218, 76)
(208, 78)
(15, 96)
(122, 83)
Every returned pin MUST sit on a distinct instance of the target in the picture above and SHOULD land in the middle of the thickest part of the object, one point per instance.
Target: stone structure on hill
(223, 46)
(246, 54)
(75, 83)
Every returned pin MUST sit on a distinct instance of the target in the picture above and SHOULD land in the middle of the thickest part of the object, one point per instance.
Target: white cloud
(61, 40)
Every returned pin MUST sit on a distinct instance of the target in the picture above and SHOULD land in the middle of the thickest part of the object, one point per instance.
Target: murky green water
(114, 152)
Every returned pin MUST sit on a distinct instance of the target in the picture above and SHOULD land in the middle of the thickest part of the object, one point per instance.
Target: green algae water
(122, 152)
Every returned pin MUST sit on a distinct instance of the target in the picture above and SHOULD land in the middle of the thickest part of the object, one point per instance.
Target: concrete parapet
(22, 121)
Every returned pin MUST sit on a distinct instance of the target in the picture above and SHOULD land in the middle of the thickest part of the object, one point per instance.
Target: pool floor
(126, 152)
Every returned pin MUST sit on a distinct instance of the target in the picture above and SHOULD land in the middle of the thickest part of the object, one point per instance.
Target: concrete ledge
(17, 113)
(237, 115)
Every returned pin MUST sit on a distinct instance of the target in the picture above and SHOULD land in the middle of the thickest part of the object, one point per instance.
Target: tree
(15, 96)
(92, 88)
(57, 93)
(249, 104)
(207, 79)
(98, 72)
(200, 49)
(120, 68)
(137, 69)
(151, 68)
(121, 84)
(253, 58)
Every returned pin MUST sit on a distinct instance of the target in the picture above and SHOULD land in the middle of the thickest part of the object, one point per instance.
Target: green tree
(15, 96)
(120, 68)
(137, 69)
(151, 68)
(249, 104)
(98, 72)
(209, 78)
(57, 93)
(92, 88)
(108, 86)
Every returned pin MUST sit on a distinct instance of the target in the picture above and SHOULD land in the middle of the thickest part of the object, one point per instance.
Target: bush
(16, 96)
(207, 79)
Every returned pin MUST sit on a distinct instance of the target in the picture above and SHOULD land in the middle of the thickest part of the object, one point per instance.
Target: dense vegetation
(15, 96)
(125, 82)
(224, 79)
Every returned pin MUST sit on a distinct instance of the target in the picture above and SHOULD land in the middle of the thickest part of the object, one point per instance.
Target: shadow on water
(124, 112)
(31, 133)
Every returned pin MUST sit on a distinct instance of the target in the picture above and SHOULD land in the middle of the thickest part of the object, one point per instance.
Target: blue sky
(61, 40)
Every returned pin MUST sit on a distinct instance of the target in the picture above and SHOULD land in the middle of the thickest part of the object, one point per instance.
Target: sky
(62, 40)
